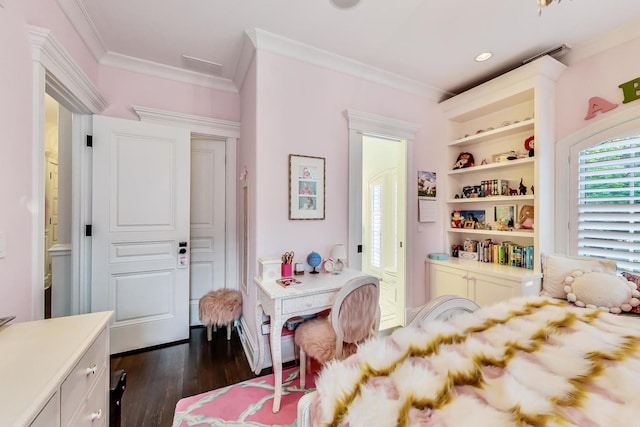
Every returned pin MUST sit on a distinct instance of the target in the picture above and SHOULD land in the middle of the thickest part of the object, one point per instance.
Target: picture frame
(469, 224)
(306, 187)
(507, 213)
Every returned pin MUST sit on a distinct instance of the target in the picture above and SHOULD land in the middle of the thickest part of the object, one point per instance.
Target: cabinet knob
(91, 370)
(96, 415)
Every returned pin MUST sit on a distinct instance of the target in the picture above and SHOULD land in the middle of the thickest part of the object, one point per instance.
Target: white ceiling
(431, 42)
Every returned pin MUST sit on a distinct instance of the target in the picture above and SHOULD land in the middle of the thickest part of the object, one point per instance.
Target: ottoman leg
(209, 332)
(229, 327)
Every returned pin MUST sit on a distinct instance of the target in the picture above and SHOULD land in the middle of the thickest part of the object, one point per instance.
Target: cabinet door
(487, 289)
(447, 281)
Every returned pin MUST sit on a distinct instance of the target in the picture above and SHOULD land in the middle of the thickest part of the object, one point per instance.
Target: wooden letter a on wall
(598, 104)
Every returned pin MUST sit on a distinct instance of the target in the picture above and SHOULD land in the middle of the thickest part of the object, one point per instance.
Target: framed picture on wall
(306, 187)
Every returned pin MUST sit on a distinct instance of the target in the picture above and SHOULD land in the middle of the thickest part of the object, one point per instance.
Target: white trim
(84, 26)
(613, 125)
(360, 122)
(248, 344)
(55, 71)
(65, 78)
(380, 125)
(197, 124)
(246, 57)
(37, 192)
(280, 45)
(215, 128)
(137, 65)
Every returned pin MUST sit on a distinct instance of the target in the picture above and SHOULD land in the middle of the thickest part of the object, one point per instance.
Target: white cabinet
(491, 121)
(55, 372)
(482, 283)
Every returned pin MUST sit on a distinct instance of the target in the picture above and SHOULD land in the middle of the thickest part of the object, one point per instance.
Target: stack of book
(506, 253)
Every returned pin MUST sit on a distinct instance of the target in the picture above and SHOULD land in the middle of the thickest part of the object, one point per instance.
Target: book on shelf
(505, 253)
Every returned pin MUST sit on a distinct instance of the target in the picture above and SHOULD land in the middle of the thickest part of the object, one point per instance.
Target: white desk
(316, 293)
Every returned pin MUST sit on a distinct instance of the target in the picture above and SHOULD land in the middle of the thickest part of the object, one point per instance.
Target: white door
(207, 220)
(140, 220)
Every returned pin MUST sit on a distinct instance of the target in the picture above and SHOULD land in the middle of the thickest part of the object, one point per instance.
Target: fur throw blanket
(531, 361)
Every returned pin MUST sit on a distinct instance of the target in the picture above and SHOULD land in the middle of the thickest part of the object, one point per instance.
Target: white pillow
(555, 267)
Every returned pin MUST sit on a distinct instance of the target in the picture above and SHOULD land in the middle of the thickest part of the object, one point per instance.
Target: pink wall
(121, 89)
(15, 164)
(600, 76)
(301, 111)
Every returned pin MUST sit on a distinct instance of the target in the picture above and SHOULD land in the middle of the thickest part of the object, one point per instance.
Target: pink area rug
(247, 403)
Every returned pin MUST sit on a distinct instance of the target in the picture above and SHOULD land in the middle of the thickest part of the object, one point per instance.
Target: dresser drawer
(93, 411)
(318, 301)
(83, 377)
(50, 414)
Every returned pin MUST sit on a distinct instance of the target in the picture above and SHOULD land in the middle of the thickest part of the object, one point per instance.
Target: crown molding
(64, 77)
(196, 124)
(269, 42)
(86, 29)
(381, 125)
(247, 53)
(79, 18)
(136, 65)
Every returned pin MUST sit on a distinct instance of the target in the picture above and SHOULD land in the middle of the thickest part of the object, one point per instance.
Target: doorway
(208, 213)
(383, 222)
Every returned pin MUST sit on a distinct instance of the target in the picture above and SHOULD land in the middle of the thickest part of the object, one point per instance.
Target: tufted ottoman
(220, 307)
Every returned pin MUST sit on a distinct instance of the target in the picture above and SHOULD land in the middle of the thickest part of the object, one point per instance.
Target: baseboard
(251, 349)
(249, 345)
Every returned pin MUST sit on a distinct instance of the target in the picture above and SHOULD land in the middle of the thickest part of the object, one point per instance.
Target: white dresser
(55, 372)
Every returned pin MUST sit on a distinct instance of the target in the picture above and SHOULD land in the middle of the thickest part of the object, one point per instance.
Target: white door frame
(385, 127)
(55, 72)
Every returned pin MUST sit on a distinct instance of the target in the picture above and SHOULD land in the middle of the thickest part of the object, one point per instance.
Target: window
(609, 202)
(376, 225)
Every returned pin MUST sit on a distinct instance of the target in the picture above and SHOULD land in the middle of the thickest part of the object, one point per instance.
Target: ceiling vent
(556, 53)
(202, 66)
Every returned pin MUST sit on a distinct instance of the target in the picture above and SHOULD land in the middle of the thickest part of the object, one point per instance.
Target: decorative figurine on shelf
(525, 218)
(513, 191)
(456, 219)
(532, 192)
(523, 188)
(314, 259)
(484, 162)
(529, 145)
(464, 160)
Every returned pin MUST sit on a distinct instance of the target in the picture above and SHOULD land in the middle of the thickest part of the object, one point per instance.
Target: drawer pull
(91, 370)
(96, 415)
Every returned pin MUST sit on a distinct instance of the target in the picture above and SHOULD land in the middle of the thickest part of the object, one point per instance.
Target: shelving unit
(490, 120)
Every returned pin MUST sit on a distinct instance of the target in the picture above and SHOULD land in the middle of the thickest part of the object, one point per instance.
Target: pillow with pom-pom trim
(555, 268)
(595, 289)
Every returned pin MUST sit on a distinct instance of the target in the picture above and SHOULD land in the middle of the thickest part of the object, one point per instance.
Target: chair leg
(229, 327)
(209, 332)
(303, 368)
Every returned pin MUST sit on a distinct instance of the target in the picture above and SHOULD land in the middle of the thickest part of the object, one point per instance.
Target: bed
(535, 361)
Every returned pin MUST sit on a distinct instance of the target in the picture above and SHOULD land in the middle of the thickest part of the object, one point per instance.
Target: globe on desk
(314, 259)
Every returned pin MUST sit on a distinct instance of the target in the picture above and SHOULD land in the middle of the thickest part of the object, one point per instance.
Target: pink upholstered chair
(354, 317)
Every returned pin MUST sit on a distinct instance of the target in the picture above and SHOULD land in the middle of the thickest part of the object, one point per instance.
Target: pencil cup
(286, 270)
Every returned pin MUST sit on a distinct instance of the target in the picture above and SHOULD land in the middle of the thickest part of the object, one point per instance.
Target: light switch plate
(3, 244)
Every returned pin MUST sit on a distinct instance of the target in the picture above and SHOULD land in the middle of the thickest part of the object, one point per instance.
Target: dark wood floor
(158, 378)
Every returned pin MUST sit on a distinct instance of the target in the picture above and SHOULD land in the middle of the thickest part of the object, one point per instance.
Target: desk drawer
(293, 305)
(93, 410)
(82, 377)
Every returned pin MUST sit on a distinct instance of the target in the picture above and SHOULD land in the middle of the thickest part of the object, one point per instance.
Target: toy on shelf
(525, 218)
(529, 145)
(523, 188)
(456, 219)
(464, 160)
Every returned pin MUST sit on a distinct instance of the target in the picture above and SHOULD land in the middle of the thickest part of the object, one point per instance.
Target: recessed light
(344, 4)
(484, 56)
